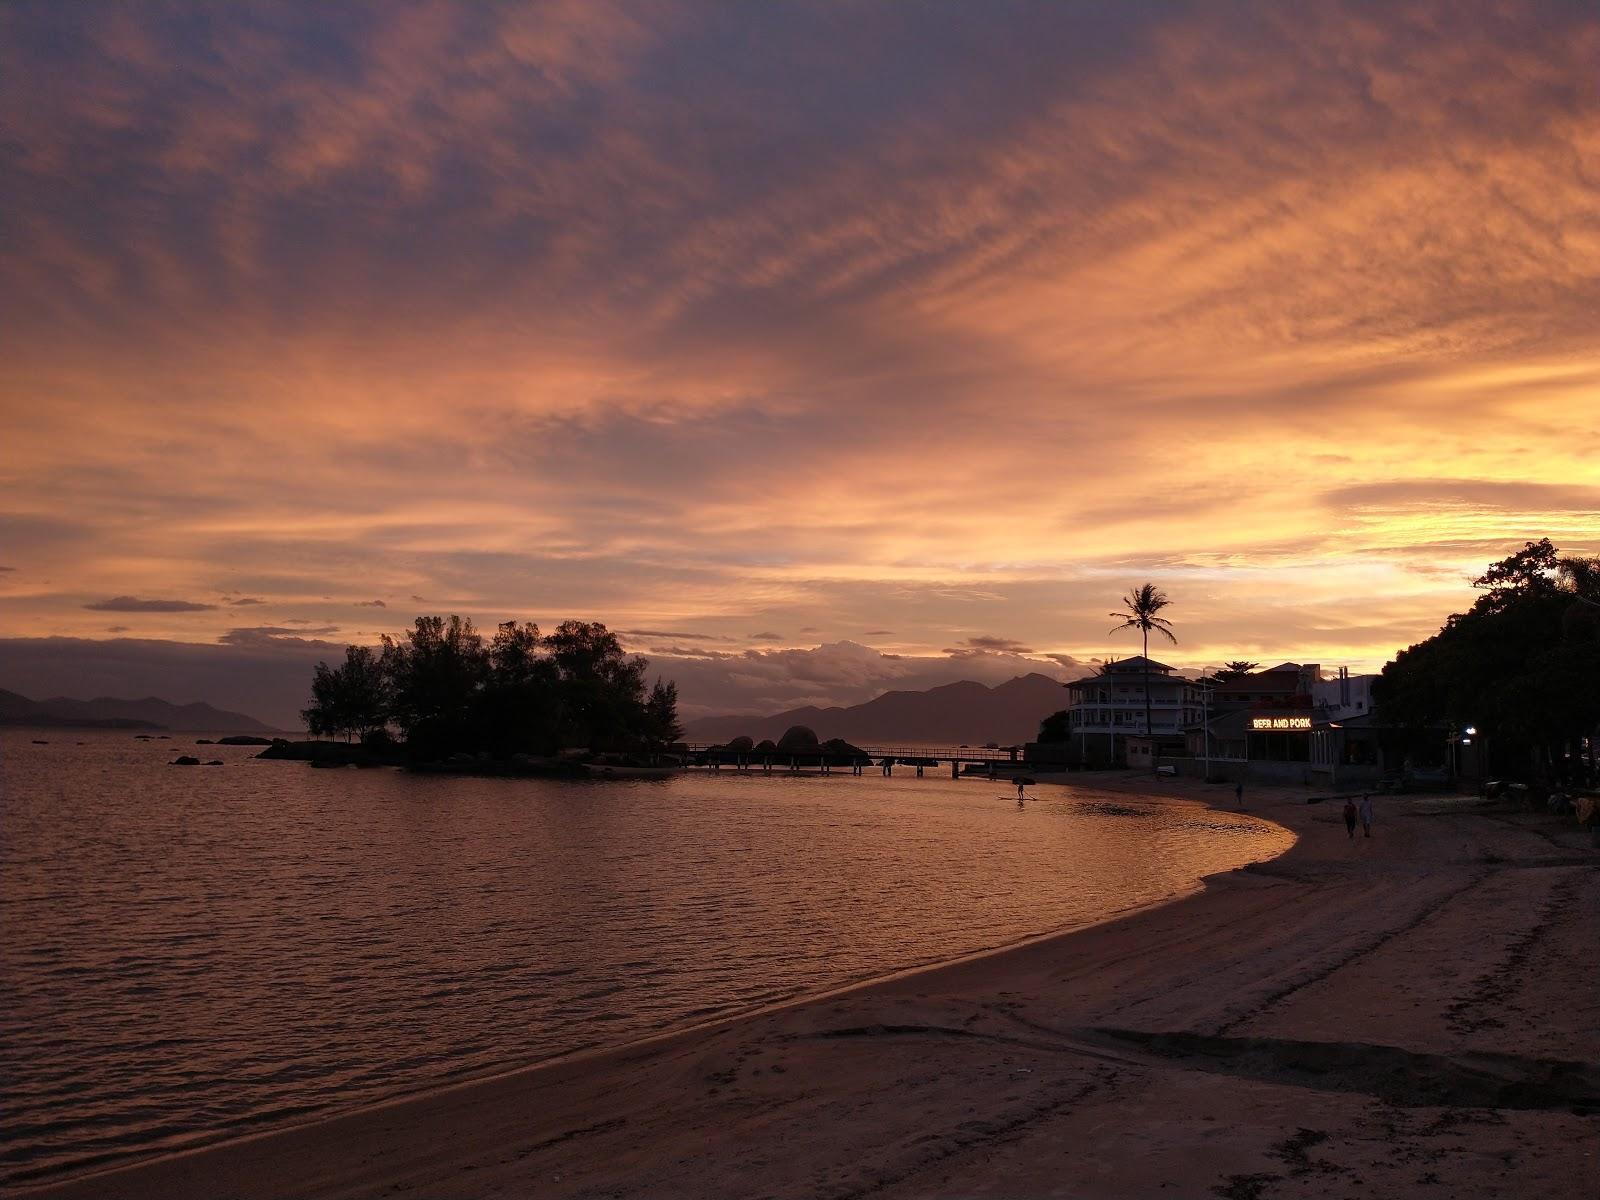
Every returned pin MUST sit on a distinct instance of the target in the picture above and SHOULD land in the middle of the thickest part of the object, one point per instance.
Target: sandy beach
(1413, 1014)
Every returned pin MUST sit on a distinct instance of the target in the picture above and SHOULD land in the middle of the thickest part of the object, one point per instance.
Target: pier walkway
(717, 756)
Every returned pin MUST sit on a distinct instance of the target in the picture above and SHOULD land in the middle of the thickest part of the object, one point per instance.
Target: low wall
(1231, 770)
(1095, 752)
(1238, 770)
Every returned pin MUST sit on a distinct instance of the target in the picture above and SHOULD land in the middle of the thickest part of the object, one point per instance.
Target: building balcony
(1130, 701)
(1160, 729)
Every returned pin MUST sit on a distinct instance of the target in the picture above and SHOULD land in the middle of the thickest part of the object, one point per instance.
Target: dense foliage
(446, 690)
(1057, 727)
(1522, 666)
(1238, 668)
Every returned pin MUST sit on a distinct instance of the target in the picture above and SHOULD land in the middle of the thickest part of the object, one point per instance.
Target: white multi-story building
(1109, 707)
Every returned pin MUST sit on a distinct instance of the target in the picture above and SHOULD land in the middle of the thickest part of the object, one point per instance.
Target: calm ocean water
(193, 953)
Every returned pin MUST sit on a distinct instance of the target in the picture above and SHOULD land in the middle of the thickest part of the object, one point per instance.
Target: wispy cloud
(720, 318)
(679, 634)
(985, 644)
(299, 629)
(134, 604)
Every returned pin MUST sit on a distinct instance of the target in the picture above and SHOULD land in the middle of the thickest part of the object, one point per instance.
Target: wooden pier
(884, 758)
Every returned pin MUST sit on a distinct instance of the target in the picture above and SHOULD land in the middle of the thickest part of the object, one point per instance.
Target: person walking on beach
(1350, 817)
(1366, 816)
(1238, 794)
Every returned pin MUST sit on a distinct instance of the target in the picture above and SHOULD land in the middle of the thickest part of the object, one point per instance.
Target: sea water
(191, 953)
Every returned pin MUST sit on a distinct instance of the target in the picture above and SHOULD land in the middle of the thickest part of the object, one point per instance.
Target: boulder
(243, 739)
(842, 752)
(184, 760)
(798, 737)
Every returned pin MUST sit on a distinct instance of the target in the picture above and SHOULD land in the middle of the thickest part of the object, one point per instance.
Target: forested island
(443, 692)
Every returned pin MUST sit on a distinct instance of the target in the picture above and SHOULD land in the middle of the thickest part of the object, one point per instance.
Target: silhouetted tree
(1057, 727)
(1516, 665)
(436, 675)
(366, 691)
(1529, 574)
(520, 710)
(352, 698)
(323, 718)
(1140, 607)
(1579, 578)
(601, 688)
(447, 691)
(661, 714)
(1237, 669)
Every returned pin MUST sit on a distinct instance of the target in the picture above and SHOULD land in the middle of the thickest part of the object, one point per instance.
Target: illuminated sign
(1276, 723)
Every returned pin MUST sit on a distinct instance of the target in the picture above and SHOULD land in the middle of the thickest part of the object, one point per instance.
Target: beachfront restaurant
(1289, 745)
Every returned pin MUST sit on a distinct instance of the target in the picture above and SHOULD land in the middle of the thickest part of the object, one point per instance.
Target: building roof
(1279, 679)
(1124, 680)
(1137, 663)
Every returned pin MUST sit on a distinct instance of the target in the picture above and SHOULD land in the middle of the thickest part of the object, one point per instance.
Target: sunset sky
(819, 348)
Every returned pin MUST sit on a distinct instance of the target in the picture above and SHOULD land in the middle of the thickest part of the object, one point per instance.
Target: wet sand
(1413, 1014)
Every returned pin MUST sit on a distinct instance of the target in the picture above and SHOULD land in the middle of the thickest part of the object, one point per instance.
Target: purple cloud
(984, 644)
(133, 604)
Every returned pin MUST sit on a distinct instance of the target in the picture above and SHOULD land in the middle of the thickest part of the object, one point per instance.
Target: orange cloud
(773, 318)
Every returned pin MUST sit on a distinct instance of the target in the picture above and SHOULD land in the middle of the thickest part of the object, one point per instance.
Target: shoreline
(595, 1053)
(616, 1119)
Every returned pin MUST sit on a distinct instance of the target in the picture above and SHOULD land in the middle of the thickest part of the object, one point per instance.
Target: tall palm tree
(1140, 607)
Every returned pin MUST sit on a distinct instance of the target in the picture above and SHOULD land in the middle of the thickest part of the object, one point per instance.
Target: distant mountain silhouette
(106, 712)
(955, 713)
